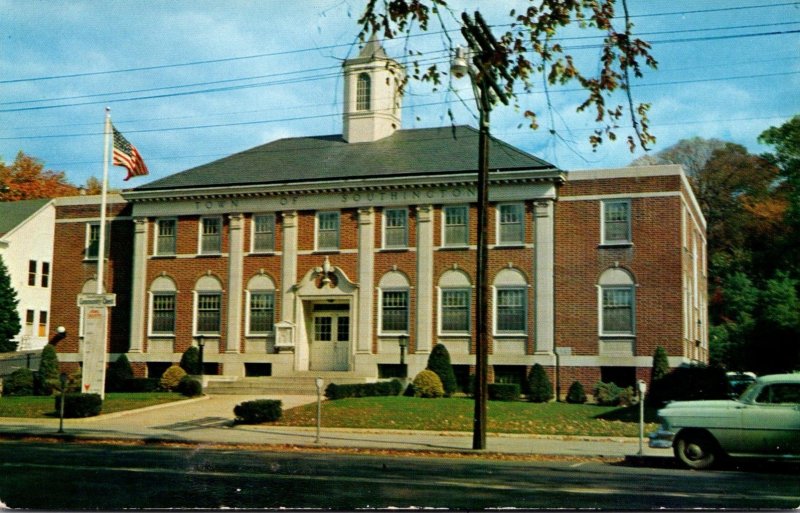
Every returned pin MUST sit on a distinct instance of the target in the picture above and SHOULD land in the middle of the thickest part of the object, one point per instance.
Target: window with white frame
(617, 303)
(456, 225)
(327, 231)
(162, 306)
(616, 221)
(511, 303)
(210, 235)
(166, 236)
(511, 224)
(208, 306)
(395, 228)
(394, 303)
(263, 233)
(363, 86)
(455, 293)
(260, 305)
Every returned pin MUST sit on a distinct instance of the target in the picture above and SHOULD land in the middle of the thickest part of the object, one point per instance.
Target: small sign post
(95, 322)
(318, 382)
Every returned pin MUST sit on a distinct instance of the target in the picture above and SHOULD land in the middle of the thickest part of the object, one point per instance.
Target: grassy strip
(43, 407)
(456, 414)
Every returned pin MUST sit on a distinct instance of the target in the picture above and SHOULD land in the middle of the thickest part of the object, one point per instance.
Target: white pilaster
(288, 265)
(138, 285)
(366, 278)
(235, 264)
(543, 264)
(424, 285)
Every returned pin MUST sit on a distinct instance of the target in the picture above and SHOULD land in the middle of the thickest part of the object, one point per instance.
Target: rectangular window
(394, 311)
(511, 224)
(264, 233)
(45, 274)
(327, 230)
(30, 318)
(208, 313)
(511, 310)
(456, 226)
(395, 228)
(262, 312)
(166, 237)
(32, 272)
(211, 236)
(163, 322)
(455, 311)
(342, 328)
(92, 240)
(617, 310)
(323, 330)
(616, 222)
(42, 324)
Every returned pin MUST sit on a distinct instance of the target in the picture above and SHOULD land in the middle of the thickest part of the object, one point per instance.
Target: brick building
(322, 254)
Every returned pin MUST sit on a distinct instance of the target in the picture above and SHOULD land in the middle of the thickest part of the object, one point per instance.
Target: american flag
(127, 156)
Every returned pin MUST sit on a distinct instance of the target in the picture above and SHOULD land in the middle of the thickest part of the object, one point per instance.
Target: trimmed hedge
(258, 411)
(609, 394)
(576, 393)
(77, 406)
(190, 387)
(118, 373)
(140, 385)
(381, 388)
(172, 377)
(20, 382)
(541, 389)
(503, 392)
(439, 362)
(427, 384)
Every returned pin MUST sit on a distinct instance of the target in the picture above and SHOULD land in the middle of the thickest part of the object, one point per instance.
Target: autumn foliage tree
(26, 178)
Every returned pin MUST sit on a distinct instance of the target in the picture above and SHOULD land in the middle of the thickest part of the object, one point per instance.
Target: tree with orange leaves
(26, 178)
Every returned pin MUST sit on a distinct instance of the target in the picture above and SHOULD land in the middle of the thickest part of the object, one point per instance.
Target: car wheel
(696, 450)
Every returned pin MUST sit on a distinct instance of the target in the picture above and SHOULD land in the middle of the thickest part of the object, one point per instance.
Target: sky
(191, 81)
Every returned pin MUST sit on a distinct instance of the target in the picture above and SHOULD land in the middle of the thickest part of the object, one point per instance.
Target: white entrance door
(330, 346)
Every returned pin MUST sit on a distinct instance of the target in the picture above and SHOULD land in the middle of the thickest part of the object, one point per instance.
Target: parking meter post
(641, 386)
(318, 382)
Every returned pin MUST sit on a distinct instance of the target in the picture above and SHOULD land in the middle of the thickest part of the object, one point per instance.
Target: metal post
(63, 380)
(318, 382)
(641, 387)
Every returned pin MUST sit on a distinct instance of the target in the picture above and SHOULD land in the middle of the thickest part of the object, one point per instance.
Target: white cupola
(371, 94)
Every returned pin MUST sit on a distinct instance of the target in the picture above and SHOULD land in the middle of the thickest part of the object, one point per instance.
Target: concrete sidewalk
(209, 419)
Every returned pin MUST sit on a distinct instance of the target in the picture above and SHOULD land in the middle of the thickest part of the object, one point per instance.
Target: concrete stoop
(279, 385)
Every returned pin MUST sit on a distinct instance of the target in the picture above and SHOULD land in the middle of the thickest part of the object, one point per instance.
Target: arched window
(207, 306)
(394, 303)
(260, 305)
(455, 294)
(617, 302)
(511, 303)
(162, 306)
(363, 87)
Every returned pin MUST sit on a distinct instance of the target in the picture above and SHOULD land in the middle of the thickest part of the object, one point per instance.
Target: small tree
(190, 361)
(9, 318)
(540, 385)
(428, 384)
(576, 393)
(439, 362)
(118, 372)
(47, 375)
(660, 365)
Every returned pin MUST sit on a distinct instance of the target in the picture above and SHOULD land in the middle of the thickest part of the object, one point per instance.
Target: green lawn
(39, 406)
(455, 414)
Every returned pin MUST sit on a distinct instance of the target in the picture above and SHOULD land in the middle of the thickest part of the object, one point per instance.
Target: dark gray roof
(425, 151)
(13, 213)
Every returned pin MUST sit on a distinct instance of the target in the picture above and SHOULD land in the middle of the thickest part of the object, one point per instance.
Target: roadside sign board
(97, 300)
(94, 350)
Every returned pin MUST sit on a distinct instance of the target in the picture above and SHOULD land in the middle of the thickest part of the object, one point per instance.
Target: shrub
(20, 382)
(689, 384)
(660, 365)
(172, 377)
(118, 372)
(539, 384)
(609, 394)
(576, 394)
(503, 391)
(190, 387)
(428, 384)
(381, 388)
(256, 412)
(141, 385)
(77, 406)
(46, 379)
(190, 361)
(439, 362)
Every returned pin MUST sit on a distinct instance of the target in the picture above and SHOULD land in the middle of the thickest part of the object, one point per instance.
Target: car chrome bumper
(661, 439)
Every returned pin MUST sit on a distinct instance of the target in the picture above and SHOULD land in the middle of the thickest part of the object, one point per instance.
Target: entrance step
(301, 384)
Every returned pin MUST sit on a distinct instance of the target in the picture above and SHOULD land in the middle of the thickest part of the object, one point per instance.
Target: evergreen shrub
(190, 387)
(19, 382)
(77, 406)
(381, 388)
(141, 385)
(660, 365)
(258, 411)
(172, 377)
(503, 391)
(9, 318)
(689, 383)
(439, 362)
(609, 394)
(118, 373)
(541, 389)
(47, 375)
(428, 384)
(190, 361)
(576, 394)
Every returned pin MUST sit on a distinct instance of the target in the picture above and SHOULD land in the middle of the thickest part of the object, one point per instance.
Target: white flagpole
(101, 250)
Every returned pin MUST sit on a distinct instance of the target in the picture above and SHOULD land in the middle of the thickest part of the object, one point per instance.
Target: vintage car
(763, 422)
